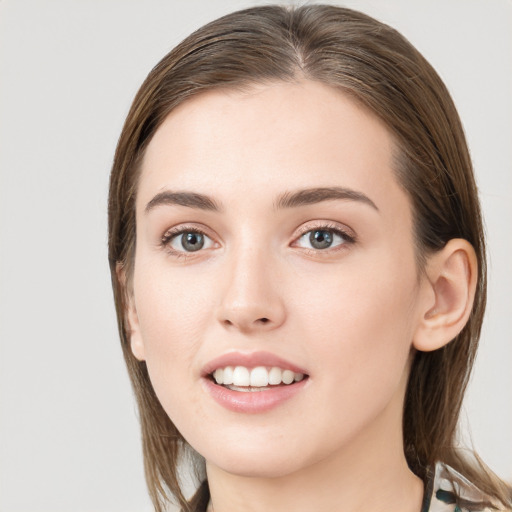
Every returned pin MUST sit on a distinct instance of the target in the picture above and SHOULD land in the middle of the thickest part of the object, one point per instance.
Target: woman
(298, 264)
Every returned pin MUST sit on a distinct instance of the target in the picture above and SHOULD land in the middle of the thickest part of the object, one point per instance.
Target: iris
(321, 239)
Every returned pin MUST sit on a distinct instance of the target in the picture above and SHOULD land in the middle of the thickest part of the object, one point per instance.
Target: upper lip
(250, 360)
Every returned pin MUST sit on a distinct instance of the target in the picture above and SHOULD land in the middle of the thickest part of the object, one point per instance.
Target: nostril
(247, 323)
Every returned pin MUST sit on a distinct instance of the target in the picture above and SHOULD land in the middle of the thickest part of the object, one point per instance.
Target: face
(274, 243)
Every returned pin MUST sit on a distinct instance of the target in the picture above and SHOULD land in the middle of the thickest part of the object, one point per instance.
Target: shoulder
(449, 491)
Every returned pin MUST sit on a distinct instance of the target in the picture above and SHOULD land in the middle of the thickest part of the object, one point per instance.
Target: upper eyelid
(328, 226)
(304, 228)
(185, 228)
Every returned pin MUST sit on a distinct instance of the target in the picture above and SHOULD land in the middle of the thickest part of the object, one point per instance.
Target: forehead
(267, 139)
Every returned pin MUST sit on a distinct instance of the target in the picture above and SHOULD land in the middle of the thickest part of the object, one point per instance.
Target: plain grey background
(69, 438)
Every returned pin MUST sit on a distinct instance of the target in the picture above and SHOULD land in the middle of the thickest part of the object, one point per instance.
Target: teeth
(227, 377)
(275, 376)
(241, 376)
(258, 377)
(288, 376)
(218, 375)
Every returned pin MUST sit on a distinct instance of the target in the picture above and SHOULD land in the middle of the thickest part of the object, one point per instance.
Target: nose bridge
(251, 299)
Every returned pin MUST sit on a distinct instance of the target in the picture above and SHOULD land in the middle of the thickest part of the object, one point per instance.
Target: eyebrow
(317, 195)
(188, 199)
(302, 197)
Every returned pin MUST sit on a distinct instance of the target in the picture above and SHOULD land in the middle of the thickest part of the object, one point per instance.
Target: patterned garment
(448, 491)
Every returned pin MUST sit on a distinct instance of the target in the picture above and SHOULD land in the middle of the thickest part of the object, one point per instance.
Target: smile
(254, 382)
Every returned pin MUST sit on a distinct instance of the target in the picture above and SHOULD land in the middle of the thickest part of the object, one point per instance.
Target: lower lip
(252, 401)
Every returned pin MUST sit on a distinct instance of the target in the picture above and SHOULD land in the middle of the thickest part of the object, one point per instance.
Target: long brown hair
(382, 70)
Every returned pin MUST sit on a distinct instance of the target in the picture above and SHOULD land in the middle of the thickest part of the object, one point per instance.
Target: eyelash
(349, 239)
(170, 234)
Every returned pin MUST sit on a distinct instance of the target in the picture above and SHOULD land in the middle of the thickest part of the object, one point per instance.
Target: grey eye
(320, 239)
(190, 241)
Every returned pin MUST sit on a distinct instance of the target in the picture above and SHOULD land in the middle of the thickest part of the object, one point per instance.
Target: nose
(251, 301)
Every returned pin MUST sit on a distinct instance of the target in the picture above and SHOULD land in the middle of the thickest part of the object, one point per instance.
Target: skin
(350, 315)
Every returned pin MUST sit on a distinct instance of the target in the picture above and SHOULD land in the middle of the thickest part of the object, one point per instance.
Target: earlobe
(451, 276)
(131, 319)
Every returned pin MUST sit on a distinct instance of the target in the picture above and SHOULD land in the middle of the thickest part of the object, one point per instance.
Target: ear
(131, 319)
(451, 276)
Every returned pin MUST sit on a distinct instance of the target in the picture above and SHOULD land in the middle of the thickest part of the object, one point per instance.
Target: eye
(323, 238)
(187, 241)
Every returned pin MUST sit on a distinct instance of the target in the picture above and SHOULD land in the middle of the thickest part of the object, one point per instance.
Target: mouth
(253, 382)
(260, 378)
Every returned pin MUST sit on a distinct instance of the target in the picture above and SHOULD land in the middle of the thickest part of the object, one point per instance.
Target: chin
(257, 459)
(259, 467)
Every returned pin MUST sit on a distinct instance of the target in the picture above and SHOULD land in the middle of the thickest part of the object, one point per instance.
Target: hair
(380, 69)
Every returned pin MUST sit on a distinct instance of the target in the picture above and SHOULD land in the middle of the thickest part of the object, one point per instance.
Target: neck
(379, 492)
(370, 473)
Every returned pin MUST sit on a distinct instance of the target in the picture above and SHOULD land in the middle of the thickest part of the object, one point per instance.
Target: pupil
(192, 241)
(320, 239)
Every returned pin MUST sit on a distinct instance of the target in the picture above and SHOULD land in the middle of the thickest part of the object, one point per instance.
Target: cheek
(174, 310)
(173, 304)
(359, 330)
